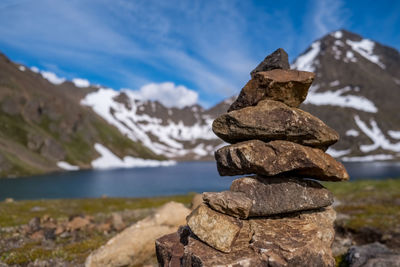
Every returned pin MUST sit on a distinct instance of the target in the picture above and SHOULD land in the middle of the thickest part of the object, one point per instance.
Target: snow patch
(35, 69)
(21, 68)
(337, 153)
(334, 83)
(306, 62)
(66, 166)
(350, 57)
(52, 77)
(109, 160)
(352, 132)
(368, 158)
(365, 48)
(81, 82)
(336, 98)
(394, 134)
(337, 34)
(378, 139)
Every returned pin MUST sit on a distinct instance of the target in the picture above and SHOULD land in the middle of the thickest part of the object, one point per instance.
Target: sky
(173, 51)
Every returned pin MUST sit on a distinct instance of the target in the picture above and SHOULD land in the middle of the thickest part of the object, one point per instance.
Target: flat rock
(273, 120)
(287, 86)
(256, 197)
(303, 239)
(281, 158)
(277, 60)
(375, 254)
(235, 204)
(218, 230)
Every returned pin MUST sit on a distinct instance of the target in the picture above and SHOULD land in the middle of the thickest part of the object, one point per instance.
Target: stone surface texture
(273, 120)
(302, 239)
(256, 196)
(235, 204)
(278, 158)
(277, 60)
(287, 86)
(135, 244)
(218, 230)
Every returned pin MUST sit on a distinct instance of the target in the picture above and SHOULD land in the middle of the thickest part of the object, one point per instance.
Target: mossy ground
(374, 204)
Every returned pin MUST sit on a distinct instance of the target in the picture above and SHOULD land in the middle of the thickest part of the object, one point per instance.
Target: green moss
(18, 167)
(19, 212)
(25, 254)
(79, 151)
(13, 128)
(341, 261)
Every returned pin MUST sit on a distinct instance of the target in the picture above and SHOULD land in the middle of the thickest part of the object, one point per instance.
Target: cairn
(280, 216)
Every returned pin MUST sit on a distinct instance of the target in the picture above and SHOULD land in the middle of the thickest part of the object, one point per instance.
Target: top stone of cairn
(287, 86)
(277, 60)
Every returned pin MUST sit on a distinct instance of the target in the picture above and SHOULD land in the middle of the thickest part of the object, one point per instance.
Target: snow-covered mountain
(356, 92)
(177, 133)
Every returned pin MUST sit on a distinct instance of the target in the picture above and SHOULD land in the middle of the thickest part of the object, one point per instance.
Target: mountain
(48, 124)
(44, 128)
(356, 92)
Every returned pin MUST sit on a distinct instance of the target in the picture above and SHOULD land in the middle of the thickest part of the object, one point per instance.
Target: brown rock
(287, 86)
(282, 195)
(78, 223)
(169, 250)
(273, 120)
(277, 60)
(235, 204)
(117, 222)
(216, 229)
(278, 158)
(197, 200)
(303, 239)
(255, 197)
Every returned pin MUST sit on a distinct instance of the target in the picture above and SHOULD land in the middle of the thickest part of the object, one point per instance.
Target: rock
(370, 255)
(235, 204)
(169, 250)
(303, 239)
(197, 200)
(277, 60)
(218, 230)
(255, 197)
(77, 223)
(117, 222)
(9, 200)
(287, 86)
(38, 235)
(34, 225)
(135, 244)
(273, 120)
(278, 158)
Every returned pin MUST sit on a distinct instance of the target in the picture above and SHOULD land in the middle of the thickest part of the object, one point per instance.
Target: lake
(148, 182)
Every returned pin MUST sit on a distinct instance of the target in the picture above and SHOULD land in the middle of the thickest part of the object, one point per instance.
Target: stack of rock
(280, 216)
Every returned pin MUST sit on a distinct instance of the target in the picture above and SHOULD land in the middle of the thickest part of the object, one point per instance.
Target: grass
(369, 203)
(20, 212)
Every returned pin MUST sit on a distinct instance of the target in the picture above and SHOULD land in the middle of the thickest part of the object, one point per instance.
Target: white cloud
(81, 82)
(328, 15)
(169, 94)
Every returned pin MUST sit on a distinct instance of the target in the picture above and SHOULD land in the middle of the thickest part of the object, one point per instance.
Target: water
(147, 182)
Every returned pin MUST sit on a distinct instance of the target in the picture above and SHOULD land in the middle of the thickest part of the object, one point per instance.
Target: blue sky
(207, 46)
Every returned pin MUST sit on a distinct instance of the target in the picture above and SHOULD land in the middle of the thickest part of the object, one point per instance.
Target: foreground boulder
(300, 239)
(287, 86)
(256, 197)
(135, 245)
(278, 158)
(273, 120)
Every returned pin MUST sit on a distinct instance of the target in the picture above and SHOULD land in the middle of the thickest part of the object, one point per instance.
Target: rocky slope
(44, 128)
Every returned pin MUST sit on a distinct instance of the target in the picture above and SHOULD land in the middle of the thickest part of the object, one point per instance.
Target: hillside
(43, 127)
